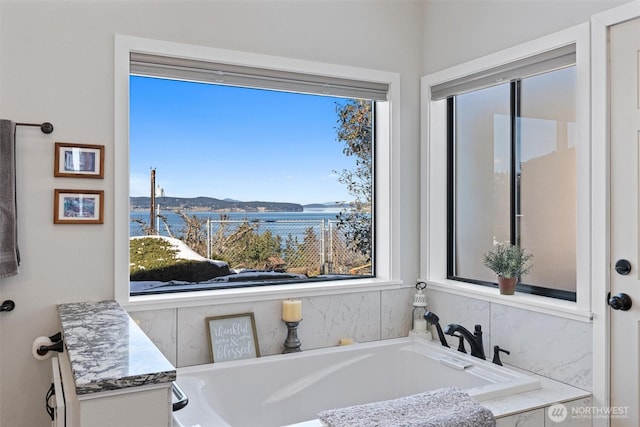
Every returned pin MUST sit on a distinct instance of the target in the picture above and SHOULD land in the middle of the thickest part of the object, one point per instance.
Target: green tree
(356, 132)
(309, 251)
(232, 244)
(265, 248)
(291, 252)
(245, 247)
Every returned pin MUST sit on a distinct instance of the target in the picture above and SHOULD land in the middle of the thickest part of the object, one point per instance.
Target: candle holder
(292, 343)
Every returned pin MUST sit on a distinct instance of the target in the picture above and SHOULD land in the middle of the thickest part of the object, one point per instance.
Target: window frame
(386, 177)
(434, 225)
(515, 100)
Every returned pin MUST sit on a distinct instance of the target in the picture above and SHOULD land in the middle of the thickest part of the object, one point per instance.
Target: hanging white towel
(9, 254)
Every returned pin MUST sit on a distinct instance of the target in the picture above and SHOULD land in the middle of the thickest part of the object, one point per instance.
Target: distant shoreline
(210, 204)
(279, 223)
(328, 209)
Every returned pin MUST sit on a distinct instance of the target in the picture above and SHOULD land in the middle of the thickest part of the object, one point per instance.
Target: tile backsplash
(554, 347)
(557, 348)
(364, 316)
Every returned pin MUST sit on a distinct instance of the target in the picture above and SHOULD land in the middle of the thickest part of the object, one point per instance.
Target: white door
(625, 222)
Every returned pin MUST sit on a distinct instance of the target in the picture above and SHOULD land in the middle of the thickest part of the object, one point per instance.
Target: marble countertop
(107, 349)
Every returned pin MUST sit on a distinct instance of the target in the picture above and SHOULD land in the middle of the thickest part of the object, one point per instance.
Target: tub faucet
(474, 340)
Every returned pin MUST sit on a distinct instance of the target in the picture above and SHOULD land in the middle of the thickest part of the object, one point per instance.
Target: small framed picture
(79, 160)
(232, 337)
(78, 207)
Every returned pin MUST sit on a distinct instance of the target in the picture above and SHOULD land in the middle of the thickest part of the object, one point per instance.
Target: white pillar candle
(292, 310)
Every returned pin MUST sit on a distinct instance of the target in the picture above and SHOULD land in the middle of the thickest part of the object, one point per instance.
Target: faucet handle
(496, 354)
(461, 347)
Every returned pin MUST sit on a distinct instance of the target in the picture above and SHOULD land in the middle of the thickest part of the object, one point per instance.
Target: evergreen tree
(310, 250)
(291, 252)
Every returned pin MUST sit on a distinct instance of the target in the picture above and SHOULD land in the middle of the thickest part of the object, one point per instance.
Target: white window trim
(387, 178)
(433, 250)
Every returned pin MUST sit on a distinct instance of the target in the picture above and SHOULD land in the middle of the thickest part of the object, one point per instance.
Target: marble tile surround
(550, 346)
(525, 419)
(160, 326)
(181, 333)
(540, 417)
(574, 419)
(553, 347)
(467, 312)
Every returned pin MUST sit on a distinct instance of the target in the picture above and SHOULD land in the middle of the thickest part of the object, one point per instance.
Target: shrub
(154, 259)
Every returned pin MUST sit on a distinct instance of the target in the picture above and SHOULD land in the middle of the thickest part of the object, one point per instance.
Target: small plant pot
(507, 285)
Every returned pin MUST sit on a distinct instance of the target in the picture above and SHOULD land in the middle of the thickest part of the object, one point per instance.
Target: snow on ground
(183, 251)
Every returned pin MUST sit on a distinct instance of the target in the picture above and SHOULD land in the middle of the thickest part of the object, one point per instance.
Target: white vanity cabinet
(111, 374)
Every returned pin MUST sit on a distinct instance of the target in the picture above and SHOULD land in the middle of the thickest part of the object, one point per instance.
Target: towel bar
(182, 401)
(45, 127)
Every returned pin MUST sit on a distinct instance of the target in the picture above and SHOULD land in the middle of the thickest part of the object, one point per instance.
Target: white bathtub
(293, 388)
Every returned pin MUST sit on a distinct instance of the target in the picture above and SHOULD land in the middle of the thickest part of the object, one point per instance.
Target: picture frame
(78, 160)
(78, 206)
(232, 337)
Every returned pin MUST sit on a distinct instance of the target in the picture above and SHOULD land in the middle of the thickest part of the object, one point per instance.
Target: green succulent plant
(508, 260)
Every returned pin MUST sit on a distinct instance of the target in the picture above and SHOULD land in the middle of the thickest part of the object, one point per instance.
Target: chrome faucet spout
(474, 340)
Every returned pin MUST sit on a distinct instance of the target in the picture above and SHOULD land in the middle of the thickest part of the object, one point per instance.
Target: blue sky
(243, 144)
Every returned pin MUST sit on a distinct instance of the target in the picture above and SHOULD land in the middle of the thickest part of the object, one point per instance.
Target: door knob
(620, 302)
(623, 267)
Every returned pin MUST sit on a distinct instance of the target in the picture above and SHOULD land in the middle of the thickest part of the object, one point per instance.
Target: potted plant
(509, 262)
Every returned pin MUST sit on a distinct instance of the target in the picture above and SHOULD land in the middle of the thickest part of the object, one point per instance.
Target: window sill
(535, 303)
(242, 295)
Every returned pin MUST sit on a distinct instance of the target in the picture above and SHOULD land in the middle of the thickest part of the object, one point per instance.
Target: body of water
(274, 221)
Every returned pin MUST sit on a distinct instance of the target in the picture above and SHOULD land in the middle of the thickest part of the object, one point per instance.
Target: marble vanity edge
(124, 383)
(108, 351)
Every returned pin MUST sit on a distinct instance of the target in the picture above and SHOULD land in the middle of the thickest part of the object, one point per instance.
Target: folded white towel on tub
(445, 407)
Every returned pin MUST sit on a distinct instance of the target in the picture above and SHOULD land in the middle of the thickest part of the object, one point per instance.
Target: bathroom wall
(473, 29)
(56, 64)
(552, 346)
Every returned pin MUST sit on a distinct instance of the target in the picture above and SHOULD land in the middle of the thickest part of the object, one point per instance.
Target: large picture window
(243, 176)
(512, 178)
